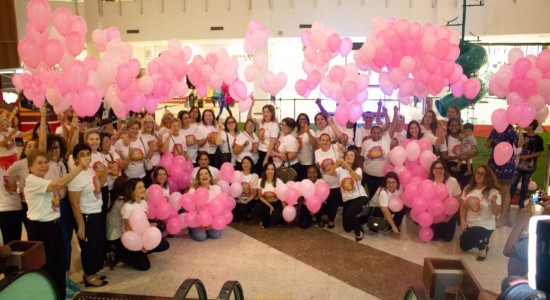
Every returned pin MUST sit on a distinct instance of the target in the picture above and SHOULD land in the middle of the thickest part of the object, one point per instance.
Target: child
(468, 145)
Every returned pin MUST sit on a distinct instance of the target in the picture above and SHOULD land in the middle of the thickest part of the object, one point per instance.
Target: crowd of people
(89, 179)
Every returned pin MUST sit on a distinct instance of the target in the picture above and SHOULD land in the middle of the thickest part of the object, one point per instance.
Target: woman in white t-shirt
(173, 141)
(246, 144)
(305, 217)
(208, 135)
(195, 114)
(325, 157)
(348, 171)
(481, 203)
(325, 125)
(286, 147)
(86, 203)
(430, 128)
(452, 154)
(380, 202)
(133, 151)
(118, 221)
(43, 214)
(189, 132)
(271, 208)
(160, 177)
(151, 139)
(11, 210)
(445, 230)
(228, 136)
(246, 201)
(308, 144)
(267, 134)
(8, 149)
(204, 180)
(165, 122)
(115, 165)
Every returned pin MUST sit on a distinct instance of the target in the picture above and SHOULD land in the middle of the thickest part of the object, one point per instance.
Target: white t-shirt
(89, 186)
(479, 213)
(326, 160)
(347, 136)
(268, 191)
(9, 198)
(113, 165)
(249, 184)
(129, 207)
(114, 221)
(149, 139)
(177, 144)
(451, 146)
(249, 150)
(382, 198)
(305, 153)
(209, 133)
(56, 171)
(7, 150)
(428, 135)
(376, 155)
(59, 130)
(43, 206)
(99, 163)
(361, 135)
(267, 130)
(286, 143)
(213, 191)
(349, 187)
(136, 153)
(228, 148)
(400, 136)
(190, 135)
(327, 130)
(453, 187)
(19, 171)
(213, 170)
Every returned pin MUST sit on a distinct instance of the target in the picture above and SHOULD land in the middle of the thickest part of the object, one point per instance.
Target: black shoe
(95, 282)
(483, 254)
(111, 260)
(360, 237)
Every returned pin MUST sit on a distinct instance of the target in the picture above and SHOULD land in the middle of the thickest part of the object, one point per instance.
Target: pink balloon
(436, 208)
(405, 177)
(322, 190)
(75, 43)
(187, 202)
(289, 213)
(173, 225)
(164, 210)
(245, 105)
(250, 73)
(513, 113)
(123, 76)
(204, 218)
(521, 67)
(413, 151)
(53, 52)
(427, 189)
(185, 181)
(176, 172)
(345, 46)
(398, 156)
(470, 88)
(532, 186)
(218, 222)
(227, 215)
(227, 170)
(240, 90)
(341, 115)
(503, 153)
(216, 206)
(235, 190)
(301, 87)
(419, 203)
(138, 221)
(201, 197)
(441, 191)
(499, 120)
(174, 200)
(451, 206)
(224, 185)
(30, 52)
(132, 241)
(426, 158)
(191, 219)
(291, 196)
(39, 13)
(260, 60)
(425, 219)
(528, 114)
(151, 238)
(151, 211)
(425, 234)
(314, 204)
(395, 204)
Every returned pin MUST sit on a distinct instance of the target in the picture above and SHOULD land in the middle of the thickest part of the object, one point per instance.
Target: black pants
(267, 218)
(475, 237)
(10, 225)
(137, 259)
(305, 218)
(445, 230)
(330, 206)
(350, 215)
(67, 225)
(50, 234)
(372, 182)
(243, 211)
(302, 172)
(459, 176)
(147, 180)
(105, 198)
(93, 246)
(259, 165)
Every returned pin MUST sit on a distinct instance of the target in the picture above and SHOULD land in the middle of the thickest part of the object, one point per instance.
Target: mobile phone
(535, 197)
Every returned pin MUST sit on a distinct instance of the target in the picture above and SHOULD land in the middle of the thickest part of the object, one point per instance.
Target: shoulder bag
(146, 161)
(375, 222)
(287, 173)
(221, 157)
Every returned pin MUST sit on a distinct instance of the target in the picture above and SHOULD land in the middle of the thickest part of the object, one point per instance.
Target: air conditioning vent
(305, 26)
(215, 28)
(132, 31)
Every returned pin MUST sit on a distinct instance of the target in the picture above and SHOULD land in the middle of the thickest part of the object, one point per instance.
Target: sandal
(95, 282)
(331, 224)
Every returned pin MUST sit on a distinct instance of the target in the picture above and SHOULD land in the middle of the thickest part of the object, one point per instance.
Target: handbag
(376, 223)
(221, 157)
(146, 161)
(526, 165)
(287, 173)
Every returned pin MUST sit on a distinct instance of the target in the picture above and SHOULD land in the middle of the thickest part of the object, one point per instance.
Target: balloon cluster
(230, 181)
(415, 59)
(167, 211)
(290, 192)
(179, 171)
(525, 83)
(203, 213)
(44, 48)
(411, 160)
(142, 235)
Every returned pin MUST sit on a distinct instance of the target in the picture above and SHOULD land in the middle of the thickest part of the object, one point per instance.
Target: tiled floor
(266, 273)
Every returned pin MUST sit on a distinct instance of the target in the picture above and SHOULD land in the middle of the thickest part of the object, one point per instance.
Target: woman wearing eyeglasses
(246, 144)
(151, 139)
(308, 143)
(380, 202)
(174, 141)
(229, 136)
(286, 147)
(445, 230)
(189, 132)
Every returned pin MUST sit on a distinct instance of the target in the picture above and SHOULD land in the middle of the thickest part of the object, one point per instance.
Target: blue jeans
(525, 177)
(67, 225)
(200, 235)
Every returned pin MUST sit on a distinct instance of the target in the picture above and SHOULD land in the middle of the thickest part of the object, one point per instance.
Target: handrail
(186, 286)
(229, 288)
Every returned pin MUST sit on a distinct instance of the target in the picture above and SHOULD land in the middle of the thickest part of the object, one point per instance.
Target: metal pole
(463, 23)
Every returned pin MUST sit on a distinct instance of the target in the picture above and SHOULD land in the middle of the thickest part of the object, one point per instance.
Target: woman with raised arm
(267, 134)
(43, 201)
(165, 123)
(286, 147)
(308, 144)
(133, 151)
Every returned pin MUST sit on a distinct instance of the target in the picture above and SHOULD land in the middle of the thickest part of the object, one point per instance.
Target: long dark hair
(433, 126)
(431, 174)
(51, 138)
(250, 161)
(236, 125)
(389, 175)
(23, 155)
(490, 181)
(357, 161)
(129, 188)
(298, 127)
(198, 119)
(420, 133)
(197, 183)
(156, 174)
(274, 182)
